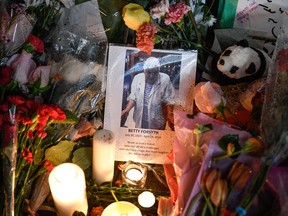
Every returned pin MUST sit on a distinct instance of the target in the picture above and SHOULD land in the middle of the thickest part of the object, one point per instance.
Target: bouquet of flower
(27, 122)
(169, 24)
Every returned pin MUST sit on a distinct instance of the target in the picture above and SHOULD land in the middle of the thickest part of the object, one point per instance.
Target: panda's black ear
(243, 43)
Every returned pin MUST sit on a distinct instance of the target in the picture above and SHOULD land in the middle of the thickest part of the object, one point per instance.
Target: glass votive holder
(134, 174)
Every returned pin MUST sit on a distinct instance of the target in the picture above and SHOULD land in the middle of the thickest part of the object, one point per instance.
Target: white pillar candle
(103, 156)
(121, 208)
(68, 188)
(146, 199)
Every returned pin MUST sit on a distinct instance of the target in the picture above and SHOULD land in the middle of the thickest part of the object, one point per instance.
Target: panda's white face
(237, 62)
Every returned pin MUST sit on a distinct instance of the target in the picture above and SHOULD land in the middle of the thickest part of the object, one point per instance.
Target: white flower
(159, 9)
(34, 3)
(208, 96)
(210, 21)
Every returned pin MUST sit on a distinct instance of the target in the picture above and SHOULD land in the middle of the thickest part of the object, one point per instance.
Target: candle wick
(113, 194)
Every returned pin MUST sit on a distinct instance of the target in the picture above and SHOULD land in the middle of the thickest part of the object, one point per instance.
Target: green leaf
(111, 14)
(60, 153)
(83, 157)
(38, 155)
(230, 138)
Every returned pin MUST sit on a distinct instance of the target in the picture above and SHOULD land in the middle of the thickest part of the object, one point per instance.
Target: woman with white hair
(150, 92)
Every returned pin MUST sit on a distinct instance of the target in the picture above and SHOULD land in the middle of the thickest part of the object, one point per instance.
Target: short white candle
(68, 188)
(121, 208)
(134, 174)
(146, 199)
(103, 156)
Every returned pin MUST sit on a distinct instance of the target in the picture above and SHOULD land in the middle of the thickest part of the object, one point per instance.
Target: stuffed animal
(240, 63)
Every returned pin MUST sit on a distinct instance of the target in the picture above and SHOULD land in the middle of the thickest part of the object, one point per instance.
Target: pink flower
(176, 13)
(159, 9)
(23, 65)
(145, 37)
(208, 96)
(42, 73)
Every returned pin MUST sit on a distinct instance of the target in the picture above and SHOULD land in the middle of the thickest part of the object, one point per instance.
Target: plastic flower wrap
(15, 28)
(78, 59)
(215, 187)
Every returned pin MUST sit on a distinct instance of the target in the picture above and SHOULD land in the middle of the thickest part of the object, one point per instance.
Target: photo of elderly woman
(150, 91)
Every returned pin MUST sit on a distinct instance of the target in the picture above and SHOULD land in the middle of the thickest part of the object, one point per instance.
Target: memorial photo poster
(265, 16)
(126, 81)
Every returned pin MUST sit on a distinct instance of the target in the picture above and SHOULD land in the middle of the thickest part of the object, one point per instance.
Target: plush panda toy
(240, 63)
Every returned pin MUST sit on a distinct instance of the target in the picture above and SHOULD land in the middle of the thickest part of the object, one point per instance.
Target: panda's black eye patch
(221, 62)
(234, 69)
(227, 52)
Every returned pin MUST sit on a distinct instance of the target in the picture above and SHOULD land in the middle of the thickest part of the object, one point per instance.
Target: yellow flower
(134, 16)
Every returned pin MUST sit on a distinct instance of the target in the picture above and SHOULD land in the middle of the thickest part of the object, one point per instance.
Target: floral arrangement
(220, 171)
(175, 25)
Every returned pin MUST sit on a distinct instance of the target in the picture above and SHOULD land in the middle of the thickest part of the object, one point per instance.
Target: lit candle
(121, 208)
(103, 156)
(68, 188)
(134, 174)
(146, 199)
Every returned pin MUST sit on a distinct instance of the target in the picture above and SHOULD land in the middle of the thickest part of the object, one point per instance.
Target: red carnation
(32, 105)
(49, 166)
(16, 100)
(41, 134)
(145, 37)
(57, 113)
(5, 74)
(4, 107)
(34, 42)
(27, 155)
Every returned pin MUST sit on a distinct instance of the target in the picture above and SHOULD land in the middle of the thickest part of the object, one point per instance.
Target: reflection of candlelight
(68, 188)
(134, 174)
(121, 208)
(146, 199)
(103, 156)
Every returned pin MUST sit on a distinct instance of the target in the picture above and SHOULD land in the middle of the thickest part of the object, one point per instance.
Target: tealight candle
(103, 156)
(68, 188)
(146, 199)
(121, 208)
(134, 174)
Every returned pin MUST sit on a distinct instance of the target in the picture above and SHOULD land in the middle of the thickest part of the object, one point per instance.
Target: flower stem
(221, 157)
(256, 185)
(191, 17)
